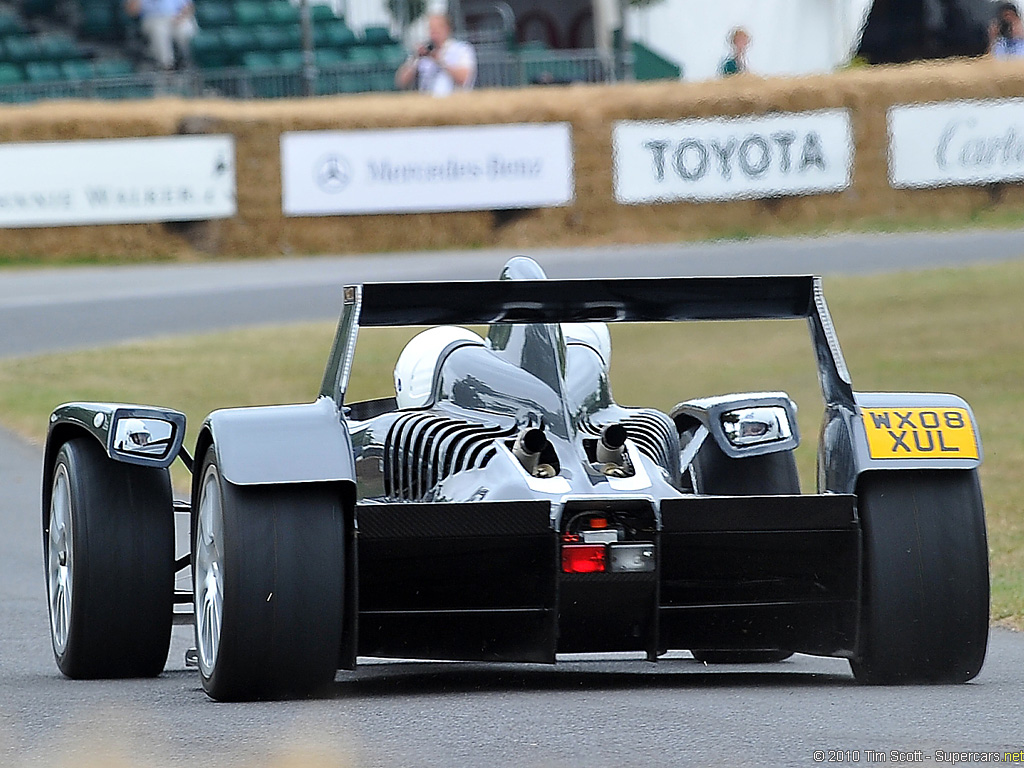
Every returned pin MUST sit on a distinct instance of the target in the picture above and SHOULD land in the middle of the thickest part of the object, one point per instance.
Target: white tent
(789, 37)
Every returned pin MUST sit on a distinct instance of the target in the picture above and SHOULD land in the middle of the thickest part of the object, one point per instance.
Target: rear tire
(715, 474)
(268, 578)
(109, 556)
(925, 591)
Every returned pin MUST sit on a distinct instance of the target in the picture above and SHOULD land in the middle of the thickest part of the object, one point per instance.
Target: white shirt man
(441, 66)
(166, 23)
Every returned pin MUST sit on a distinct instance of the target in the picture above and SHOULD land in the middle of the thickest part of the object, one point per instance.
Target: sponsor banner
(422, 170)
(797, 153)
(117, 181)
(956, 143)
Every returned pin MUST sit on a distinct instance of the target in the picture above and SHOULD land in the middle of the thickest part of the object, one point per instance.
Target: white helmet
(414, 371)
(134, 434)
(593, 335)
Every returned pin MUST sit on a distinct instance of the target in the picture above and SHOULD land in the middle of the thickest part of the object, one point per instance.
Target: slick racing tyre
(714, 473)
(268, 573)
(109, 557)
(925, 590)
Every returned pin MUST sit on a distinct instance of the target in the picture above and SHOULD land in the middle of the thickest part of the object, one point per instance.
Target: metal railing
(494, 70)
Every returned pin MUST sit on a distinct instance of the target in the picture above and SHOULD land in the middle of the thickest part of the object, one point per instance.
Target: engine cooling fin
(423, 448)
(653, 433)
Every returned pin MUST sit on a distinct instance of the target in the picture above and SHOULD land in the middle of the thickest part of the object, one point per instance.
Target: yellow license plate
(920, 433)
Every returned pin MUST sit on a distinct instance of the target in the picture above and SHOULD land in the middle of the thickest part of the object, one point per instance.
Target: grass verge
(988, 218)
(945, 331)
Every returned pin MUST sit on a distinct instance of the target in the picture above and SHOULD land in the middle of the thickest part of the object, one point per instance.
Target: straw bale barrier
(594, 217)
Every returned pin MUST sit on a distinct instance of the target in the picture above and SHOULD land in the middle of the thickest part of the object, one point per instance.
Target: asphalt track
(591, 712)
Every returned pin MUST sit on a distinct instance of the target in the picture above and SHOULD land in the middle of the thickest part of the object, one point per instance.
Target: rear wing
(666, 299)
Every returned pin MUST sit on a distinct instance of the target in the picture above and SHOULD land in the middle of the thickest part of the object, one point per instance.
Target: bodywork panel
(268, 445)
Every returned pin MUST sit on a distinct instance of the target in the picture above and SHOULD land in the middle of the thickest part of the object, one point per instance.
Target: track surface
(594, 712)
(42, 310)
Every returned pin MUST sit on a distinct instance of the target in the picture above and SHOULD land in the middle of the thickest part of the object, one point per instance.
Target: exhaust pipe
(528, 447)
(611, 447)
(611, 451)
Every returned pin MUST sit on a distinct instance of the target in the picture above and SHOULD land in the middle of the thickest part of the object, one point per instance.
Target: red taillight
(583, 558)
(598, 522)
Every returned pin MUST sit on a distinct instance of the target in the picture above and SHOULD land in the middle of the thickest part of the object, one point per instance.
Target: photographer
(1006, 33)
(440, 66)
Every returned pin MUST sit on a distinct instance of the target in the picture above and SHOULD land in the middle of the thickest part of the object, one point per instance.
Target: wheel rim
(60, 559)
(209, 584)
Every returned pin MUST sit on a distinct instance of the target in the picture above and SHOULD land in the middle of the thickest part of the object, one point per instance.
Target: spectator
(166, 23)
(739, 41)
(440, 66)
(1006, 33)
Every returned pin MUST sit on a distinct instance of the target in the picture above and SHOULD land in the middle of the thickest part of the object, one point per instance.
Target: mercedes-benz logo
(333, 173)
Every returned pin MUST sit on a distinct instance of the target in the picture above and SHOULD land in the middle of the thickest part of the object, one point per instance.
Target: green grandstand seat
(354, 84)
(364, 55)
(333, 34)
(59, 47)
(377, 36)
(38, 7)
(211, 13)
(42, 72)
(330, 57)
(251, 12)
(100, 20)
(113, 68)
(321, 13)
(282, 12)
(291, 59)
(208, 49)
(236, 41)
(333, 84)
(10, 24)
(381, 81)
(78, 69)
(259, 61)
(10, 74)
(22, 49)
(392, 55)
(273, 38)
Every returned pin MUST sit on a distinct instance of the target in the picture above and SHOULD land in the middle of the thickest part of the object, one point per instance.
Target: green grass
(945, 331)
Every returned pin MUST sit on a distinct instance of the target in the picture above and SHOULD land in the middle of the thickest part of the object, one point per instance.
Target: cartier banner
(956, 143)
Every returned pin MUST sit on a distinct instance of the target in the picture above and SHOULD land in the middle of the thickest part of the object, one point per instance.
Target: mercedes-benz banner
(117, 181)
(795, 153)
(422, 170)
(956, 143)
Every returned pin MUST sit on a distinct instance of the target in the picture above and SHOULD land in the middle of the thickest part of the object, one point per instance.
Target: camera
(429, 47)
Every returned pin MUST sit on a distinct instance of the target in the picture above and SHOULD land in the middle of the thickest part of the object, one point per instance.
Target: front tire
(925, 591)
(109, 560)
(268, 578)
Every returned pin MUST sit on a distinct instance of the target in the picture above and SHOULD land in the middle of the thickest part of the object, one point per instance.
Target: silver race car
(501, 506)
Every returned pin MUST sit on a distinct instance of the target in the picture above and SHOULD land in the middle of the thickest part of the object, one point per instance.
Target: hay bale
(592, 217)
